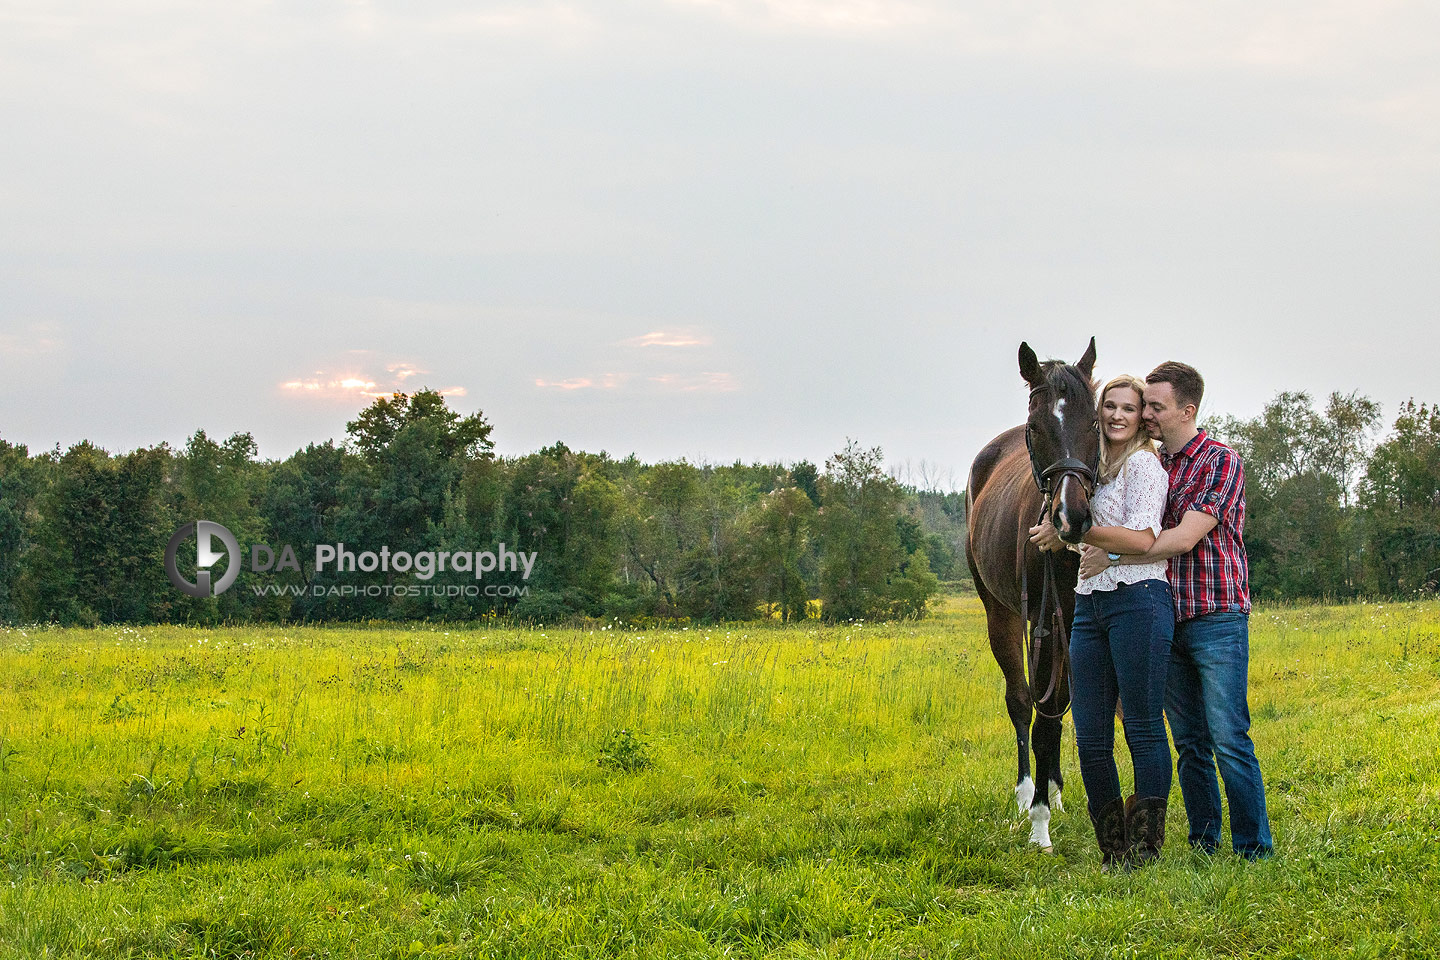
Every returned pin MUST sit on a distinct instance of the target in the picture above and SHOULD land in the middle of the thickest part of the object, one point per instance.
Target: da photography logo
(205, 557)
(332, 560)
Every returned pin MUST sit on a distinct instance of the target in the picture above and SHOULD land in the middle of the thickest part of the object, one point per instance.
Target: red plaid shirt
(1207, 476)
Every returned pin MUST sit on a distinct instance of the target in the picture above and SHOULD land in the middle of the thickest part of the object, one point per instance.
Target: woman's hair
(1110, 467)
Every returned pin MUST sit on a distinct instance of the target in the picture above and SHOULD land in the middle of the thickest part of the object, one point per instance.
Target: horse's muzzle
(1074, 532)
(1070, 511)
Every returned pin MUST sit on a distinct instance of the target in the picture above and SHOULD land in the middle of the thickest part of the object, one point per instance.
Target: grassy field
(734, 791)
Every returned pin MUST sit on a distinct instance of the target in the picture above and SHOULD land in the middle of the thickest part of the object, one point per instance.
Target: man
(1206, 693)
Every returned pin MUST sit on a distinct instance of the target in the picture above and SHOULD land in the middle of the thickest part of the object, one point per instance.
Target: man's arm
(1171, 543)
(1177, 540)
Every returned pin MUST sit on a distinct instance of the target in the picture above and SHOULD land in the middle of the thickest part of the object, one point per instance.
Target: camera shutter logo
(205, 557)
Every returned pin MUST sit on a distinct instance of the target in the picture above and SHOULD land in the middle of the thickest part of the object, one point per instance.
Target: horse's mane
(1066, 382)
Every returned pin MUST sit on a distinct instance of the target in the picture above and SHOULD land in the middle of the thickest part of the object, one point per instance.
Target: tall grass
(807, 791)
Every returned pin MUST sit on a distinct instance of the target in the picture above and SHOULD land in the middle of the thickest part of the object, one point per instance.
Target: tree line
(1334, 510)
(83, 533)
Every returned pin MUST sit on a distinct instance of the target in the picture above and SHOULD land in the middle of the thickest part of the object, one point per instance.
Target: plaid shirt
(1207, 476)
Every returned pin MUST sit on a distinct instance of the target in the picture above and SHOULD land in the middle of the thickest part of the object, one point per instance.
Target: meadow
(746, 790)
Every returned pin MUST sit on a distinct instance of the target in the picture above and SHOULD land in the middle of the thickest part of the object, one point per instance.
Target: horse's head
(1062, 433)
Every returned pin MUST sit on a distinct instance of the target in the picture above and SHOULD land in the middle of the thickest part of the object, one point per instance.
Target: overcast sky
(717, 230)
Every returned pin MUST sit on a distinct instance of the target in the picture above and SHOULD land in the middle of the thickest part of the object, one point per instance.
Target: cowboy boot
(1110, 834)
(1145, 828)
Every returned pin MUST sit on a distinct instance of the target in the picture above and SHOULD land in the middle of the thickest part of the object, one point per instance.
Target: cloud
(658, 375)
(709, 382)
(356, 383)
(1319, 36)
(37, 340)
(827, 15)
(607, 382)
(344, 387)
(669, 338)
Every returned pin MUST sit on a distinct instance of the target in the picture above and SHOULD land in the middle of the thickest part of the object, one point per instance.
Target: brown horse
(1048, 464)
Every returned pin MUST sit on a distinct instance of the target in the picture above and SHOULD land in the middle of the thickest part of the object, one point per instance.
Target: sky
(712, 229)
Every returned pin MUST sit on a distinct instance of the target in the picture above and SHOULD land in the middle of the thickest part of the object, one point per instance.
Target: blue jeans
(1120, 647)
(1209, 717)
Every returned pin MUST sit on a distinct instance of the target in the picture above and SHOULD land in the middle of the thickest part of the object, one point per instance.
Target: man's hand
(1046, 537)
(1093, 560)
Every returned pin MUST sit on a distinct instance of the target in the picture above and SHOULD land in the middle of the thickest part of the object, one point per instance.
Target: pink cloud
(607, 382)
(330, 387)
(669, 338)
(354, 383)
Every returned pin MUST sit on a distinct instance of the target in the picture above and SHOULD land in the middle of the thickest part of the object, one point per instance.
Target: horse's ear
(1087, 362)
(1030, 366)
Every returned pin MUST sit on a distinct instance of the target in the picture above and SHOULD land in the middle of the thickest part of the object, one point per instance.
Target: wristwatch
(1114, 557)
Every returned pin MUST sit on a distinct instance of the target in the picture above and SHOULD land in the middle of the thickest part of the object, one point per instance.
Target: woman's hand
(1093, 560)
(1046, 537)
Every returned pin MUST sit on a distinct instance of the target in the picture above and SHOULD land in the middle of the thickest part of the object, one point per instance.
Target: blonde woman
(1120, 640)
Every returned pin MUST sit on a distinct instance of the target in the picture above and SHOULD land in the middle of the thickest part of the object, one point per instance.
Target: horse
(1045, 467)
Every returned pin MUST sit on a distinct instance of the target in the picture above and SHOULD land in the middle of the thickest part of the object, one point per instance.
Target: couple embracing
(1162, 624)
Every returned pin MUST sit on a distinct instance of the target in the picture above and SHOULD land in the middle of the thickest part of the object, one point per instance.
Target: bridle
(1048, 480)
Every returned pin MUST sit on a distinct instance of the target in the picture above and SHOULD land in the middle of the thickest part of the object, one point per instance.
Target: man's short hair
(1184, 379)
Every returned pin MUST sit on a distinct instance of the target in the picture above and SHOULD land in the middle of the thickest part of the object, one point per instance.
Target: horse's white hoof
(1040, 826)
(1024, 795)
(1055, 803)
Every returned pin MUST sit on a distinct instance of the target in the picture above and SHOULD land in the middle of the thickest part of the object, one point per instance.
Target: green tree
(1401, 495)
(562, 504)
(1351, 421)
(300, 508)
(382, 425)
(302, 496)
(912, 586)
(100, 543)
(1300, 463)
(22, 479)
(415, 449)
(942, 518)
(806, 476)
(660, 526)
(862, 554)
(412, 453)
(223, 483)
(781, 527)
(716, 573)
(1349, 428)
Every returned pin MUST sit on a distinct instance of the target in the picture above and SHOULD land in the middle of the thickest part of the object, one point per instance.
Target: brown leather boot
(1111, 835)
(1145, 828)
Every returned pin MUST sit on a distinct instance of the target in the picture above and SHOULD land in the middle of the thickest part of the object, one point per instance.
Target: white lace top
(1136, 500)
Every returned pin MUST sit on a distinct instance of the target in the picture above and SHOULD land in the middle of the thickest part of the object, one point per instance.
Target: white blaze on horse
(1044, 468)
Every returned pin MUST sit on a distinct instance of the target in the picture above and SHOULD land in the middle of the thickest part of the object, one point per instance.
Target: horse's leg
(1046, 736)
(1017, 704)
(1007, 641)
(1057, 779)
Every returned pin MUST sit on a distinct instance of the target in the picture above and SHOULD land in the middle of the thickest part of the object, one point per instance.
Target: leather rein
(1051, 617)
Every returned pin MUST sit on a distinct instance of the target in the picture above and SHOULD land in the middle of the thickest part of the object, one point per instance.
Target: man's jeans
(1205, 701)
(1120, 646)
